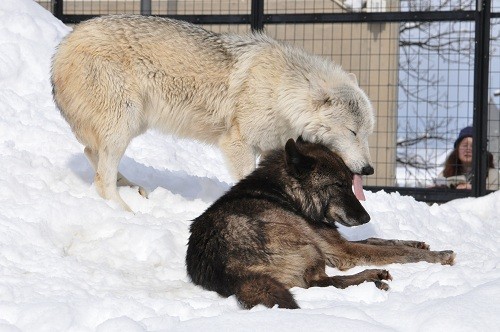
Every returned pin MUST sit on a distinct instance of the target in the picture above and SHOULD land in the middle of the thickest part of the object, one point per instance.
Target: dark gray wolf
(115, 77)
(275, 229)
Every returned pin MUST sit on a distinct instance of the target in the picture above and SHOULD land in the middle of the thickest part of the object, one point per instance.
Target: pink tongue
(357, 182)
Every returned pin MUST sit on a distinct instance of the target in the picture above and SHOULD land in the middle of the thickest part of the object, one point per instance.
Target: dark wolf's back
(231, 235)
(220, 246)
(225, 236)
(206, 257)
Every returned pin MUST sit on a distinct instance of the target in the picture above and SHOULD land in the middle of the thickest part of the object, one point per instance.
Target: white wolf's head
(343, 118)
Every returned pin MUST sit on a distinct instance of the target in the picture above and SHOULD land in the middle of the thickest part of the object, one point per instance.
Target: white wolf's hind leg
(121, 181)
(92, 157)
(240, 155)
(106, 174)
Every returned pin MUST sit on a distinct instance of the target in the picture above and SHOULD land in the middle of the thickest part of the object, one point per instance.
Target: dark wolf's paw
(376, 276)
(447, 257)
(373, 275)
(381, 285)
(417, 244)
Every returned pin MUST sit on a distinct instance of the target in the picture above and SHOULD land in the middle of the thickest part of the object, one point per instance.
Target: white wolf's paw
(142, 191)
(124, 182)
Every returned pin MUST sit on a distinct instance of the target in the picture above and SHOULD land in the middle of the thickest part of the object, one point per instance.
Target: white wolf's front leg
(240, 156)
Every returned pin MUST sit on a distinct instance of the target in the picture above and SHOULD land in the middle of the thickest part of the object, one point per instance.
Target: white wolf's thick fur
(115, 77)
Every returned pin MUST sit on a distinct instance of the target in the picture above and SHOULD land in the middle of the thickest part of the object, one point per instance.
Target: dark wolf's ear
(300, 140)
(297, 163)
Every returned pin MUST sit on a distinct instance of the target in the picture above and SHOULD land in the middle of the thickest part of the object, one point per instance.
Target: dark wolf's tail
(262, 289)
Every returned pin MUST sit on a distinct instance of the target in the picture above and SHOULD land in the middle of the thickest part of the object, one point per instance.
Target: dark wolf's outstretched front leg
(344, 254)
(383, 242)
(373, 275)
(351, 254)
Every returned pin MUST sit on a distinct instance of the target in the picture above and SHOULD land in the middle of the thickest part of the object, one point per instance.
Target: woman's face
(465, 150)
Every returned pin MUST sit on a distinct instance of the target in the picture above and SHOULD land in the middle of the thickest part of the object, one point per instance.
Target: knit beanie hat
(466, 132)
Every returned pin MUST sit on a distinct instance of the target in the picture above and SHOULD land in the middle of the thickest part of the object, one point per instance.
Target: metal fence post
(257, 15)
(57, 8)
(146, 7)
(480, 116)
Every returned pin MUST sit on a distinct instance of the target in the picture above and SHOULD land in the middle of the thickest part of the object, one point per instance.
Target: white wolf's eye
(353, 132)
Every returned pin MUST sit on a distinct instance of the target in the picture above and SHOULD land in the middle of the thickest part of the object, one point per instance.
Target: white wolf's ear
(353, 78)
(297, 164)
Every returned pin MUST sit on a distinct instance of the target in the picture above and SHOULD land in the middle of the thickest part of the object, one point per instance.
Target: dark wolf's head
(322, 184)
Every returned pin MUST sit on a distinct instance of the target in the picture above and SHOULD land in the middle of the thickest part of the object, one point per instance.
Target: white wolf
(115, 77)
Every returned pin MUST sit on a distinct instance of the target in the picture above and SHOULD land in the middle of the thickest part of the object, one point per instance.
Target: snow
(355, 5)
(70, 261)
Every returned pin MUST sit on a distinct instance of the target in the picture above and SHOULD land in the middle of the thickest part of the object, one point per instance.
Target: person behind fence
(457, 172)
